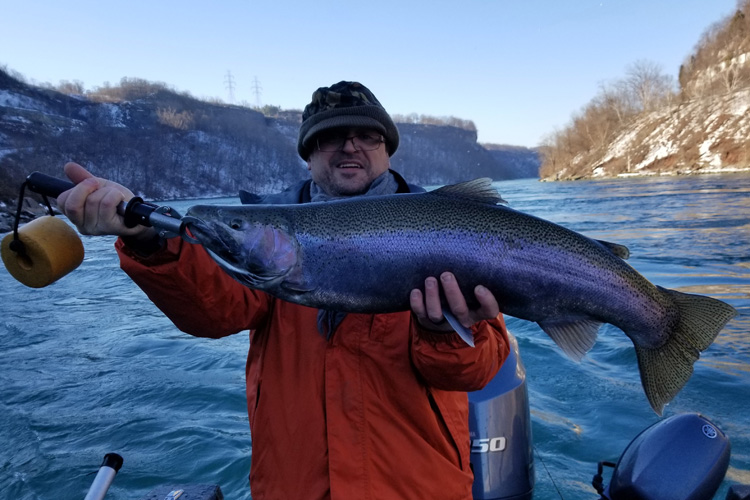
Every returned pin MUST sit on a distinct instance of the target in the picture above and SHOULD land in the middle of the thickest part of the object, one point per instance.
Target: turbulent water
(90, 366)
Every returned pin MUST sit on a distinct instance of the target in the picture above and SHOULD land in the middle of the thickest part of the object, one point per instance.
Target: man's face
(349, 171)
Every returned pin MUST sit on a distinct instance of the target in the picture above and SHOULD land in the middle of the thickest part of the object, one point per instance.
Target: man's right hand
(92, 205)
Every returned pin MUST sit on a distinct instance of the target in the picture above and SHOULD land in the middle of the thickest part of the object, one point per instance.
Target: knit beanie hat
(343, 105)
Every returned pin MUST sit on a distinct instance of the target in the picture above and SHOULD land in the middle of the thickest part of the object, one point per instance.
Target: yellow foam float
(52, 249)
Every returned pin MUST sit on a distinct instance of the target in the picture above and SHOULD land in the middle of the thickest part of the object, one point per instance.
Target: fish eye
(235, 223)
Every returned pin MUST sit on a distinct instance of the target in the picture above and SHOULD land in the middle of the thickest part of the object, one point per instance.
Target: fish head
(257, 250)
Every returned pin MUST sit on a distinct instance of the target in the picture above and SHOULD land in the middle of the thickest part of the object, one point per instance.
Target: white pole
(107, 472)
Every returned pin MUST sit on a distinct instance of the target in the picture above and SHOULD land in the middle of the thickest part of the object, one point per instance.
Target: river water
(90, 366)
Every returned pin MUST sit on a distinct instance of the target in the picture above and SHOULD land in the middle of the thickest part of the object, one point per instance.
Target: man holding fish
(341, 405)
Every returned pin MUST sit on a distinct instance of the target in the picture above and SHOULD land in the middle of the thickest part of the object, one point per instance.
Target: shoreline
(671, 173)
(33, 209)
(30, 211)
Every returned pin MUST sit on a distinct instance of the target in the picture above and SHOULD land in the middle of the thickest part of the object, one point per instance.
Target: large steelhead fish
(365, 254)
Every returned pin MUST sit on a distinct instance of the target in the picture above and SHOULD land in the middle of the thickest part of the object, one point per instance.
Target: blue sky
(518, 68)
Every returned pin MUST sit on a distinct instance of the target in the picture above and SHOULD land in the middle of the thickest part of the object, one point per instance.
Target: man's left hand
(428, 308)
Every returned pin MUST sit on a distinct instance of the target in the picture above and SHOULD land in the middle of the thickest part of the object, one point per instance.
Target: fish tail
(666, 369)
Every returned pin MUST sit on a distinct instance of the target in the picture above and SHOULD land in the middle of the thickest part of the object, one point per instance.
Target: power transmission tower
(229, 85)
(257, 91)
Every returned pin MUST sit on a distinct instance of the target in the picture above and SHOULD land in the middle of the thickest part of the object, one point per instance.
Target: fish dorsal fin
(575, 338)
(619, 250)
(479, 190)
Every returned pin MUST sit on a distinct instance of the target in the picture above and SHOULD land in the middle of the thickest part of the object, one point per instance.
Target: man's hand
(429, 311)
(92, 205)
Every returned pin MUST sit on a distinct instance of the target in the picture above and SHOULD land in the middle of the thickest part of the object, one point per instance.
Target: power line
(257, 91)
(229, 85)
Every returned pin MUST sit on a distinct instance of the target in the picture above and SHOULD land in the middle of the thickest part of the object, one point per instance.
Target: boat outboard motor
(683, 457)
(500, 427)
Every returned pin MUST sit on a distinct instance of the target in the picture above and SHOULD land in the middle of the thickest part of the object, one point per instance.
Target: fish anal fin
(575, 337)
(479, 190)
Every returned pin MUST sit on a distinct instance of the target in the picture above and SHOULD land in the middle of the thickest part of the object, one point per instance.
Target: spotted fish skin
(366, 254)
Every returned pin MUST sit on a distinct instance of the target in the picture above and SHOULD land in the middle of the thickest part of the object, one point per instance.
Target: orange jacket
(379, 411)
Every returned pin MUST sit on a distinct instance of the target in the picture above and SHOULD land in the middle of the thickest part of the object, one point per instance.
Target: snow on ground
(114, 113)
(664, 150)
(13, 100)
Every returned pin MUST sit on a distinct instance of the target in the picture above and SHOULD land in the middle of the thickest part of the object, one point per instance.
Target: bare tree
(648, 85)
(618, 99)
(721, 58)
(75, 87)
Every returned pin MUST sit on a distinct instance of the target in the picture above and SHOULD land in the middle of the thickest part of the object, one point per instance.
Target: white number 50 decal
(487, 445)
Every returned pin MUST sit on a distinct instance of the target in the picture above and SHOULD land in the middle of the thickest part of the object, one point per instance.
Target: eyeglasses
(361, 142)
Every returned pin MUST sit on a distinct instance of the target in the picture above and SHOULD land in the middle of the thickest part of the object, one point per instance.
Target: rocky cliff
(644, 124)
(702, 135)
(166, 145)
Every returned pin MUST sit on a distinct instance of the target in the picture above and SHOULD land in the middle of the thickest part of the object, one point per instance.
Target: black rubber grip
(112, 460)
(47, 185)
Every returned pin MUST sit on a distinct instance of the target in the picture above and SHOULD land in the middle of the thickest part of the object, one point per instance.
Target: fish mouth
(225, 244)
(199, 230)
(218, 242)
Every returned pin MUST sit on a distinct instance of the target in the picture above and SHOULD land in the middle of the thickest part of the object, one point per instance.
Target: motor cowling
(683, 457)
(500, 428)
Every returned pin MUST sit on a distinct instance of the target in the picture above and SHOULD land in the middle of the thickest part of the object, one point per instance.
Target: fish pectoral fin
(619, 250)
(575, 337)
(461, 330)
